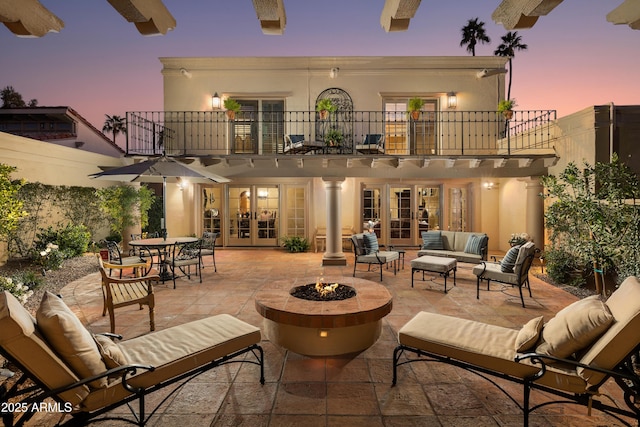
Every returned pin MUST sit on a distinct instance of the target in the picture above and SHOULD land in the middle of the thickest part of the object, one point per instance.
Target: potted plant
(232, 106)
(333, 138)
(415, 105)
(506, 108)
(324, 107)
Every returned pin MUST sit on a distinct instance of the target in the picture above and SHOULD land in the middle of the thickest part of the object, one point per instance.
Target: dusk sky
(99, 64)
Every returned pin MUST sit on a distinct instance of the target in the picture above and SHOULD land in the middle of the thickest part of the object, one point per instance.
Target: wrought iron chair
(122, 292)
(209, 247)
(492, 271)
(362, 256)
(117, 261)
(183, 257)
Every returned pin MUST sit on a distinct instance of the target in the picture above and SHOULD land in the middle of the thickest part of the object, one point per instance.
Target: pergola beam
(627, 13)
(28, 18)
(272, 16)
(518, 14)
(151, 17)
(396, 14)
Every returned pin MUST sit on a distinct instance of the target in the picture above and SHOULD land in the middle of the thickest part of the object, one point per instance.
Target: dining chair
(117, 261)
(183, 256)
(209, 247)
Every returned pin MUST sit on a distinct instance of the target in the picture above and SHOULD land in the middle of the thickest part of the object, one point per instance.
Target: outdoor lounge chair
(91, 375)
(516, 275)
(365, 254)
(570, 356)
(118, 293)
(296, 144)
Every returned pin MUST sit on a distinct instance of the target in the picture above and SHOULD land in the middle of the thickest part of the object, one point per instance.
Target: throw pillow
(110, 351)
(575, 327)
(529, 334)
(70, 339)
(474, 245)
(509, 261)
(371, 243)
(432, 240)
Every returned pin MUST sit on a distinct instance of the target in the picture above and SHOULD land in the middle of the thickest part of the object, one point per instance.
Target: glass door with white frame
(401, 215)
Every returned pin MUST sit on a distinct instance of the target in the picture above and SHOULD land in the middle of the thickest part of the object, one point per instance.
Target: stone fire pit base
(324, 328)
(323, 342)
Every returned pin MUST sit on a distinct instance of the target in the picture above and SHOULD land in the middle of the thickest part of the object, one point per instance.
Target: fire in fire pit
(321, 291)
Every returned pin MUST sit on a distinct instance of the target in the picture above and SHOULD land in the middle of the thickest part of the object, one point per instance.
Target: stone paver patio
(334, 391)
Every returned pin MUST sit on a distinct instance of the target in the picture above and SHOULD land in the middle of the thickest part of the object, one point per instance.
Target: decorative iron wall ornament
(340, 120)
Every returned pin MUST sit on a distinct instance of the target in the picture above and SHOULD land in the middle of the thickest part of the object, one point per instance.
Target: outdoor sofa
(464, 246)
(89, 375)
(569, 356)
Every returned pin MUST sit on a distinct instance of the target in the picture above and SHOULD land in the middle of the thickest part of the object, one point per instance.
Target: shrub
(50, 258)
(71, 241)
(17, 289)
(562, 266)
(295, 243)
(29, 278)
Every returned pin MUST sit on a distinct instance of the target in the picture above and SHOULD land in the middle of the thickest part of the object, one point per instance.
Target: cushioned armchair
(118, 293)
(512, 270)
(366, 251)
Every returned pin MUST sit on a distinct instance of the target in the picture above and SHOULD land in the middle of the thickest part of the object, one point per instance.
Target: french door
(254, 215)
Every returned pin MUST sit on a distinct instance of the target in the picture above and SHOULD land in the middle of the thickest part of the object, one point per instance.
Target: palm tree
(472, 33)
(510, 43)
(115, 125)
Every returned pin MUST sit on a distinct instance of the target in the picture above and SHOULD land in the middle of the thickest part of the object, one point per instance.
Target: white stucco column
(333, 254)
(535, 211)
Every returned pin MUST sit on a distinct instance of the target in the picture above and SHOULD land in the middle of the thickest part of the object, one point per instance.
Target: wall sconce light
(323, 333)
(262, 194)
(452, 100)
(489, 185)
(334, 72)
(185, 73)
(215, 101)
(182, 183)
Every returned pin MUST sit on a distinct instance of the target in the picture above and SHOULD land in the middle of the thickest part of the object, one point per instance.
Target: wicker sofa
(455, 244)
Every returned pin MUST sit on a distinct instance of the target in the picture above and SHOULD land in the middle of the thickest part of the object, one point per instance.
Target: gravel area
(72, 269)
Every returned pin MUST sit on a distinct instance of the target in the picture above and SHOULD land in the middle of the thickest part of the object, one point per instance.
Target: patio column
(535, 211)
(333, 254)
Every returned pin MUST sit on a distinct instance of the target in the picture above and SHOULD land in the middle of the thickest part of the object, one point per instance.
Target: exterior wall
(38, 161)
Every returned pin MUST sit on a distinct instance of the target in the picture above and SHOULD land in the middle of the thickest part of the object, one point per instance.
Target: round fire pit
(323, 327)
(323, 292)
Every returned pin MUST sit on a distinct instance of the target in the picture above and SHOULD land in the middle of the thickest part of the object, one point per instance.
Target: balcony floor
(319, 391)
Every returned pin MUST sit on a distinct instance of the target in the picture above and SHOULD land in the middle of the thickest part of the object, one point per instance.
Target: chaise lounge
(570, 356)
(91, 375)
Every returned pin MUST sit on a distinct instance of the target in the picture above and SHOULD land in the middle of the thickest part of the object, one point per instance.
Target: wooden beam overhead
(628, 13)
(518, 14)
(28, 18)
(272, 16)
(396, 14)
(151, 17)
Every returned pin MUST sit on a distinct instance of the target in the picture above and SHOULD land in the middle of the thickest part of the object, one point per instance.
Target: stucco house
(460, 165)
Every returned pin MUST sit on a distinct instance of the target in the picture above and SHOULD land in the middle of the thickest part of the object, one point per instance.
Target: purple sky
(99, 63)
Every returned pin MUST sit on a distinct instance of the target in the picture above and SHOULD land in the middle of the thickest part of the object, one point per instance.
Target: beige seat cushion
(70, 339)
(20, 338)
(575, 327)
(529, 335)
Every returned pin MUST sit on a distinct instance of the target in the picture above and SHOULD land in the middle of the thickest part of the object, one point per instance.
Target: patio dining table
(161, 246)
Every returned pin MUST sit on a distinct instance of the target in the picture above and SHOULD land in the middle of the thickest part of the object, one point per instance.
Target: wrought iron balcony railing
(434, 133)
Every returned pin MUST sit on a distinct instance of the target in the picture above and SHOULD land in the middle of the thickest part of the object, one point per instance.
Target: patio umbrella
(159, 169)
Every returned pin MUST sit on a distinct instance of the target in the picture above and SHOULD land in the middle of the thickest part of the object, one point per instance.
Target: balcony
(351, 133)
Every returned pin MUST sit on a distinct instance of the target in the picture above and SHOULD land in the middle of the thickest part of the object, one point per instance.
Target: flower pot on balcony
(231, 114)
(508, 114)
(415, 115)
(323, 114)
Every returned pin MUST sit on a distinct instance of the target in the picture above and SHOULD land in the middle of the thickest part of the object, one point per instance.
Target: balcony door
(406, 136)
(258, 128)
(254, 215)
